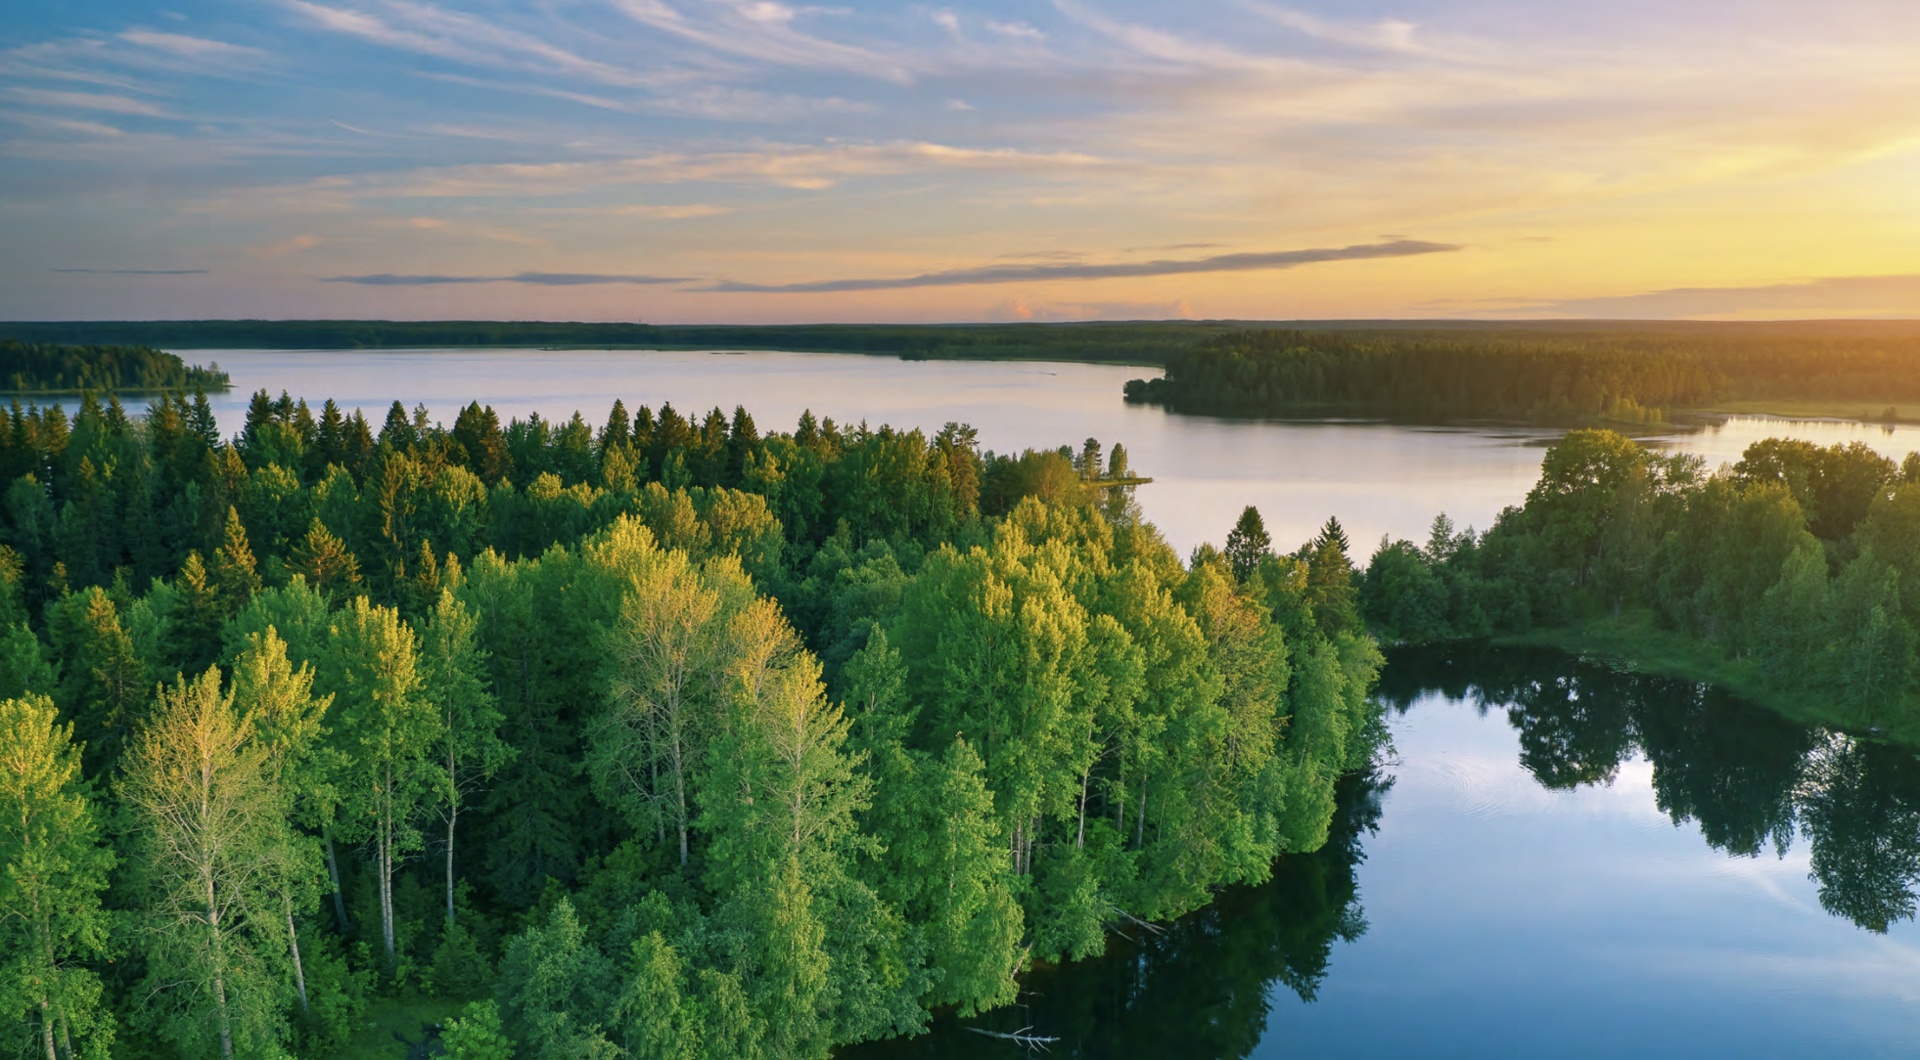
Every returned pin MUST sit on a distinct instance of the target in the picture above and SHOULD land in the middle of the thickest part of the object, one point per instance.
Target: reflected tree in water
(1201, 987)
(1860, 807)
(1751, 779)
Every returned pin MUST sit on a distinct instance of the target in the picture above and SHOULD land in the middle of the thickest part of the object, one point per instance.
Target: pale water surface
(1378, 478)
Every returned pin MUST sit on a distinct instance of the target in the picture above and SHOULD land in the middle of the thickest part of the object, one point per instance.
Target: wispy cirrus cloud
(537, 279)
(763, 31)
(43, 97)
(991, 274)
(1387, 34)
(198, 49)
(429, 30)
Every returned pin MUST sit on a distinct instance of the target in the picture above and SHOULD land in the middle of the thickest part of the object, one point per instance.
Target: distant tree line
(1550, 377)
(1124, 343)
(664, 737)
(47, 368)
(1797, 567)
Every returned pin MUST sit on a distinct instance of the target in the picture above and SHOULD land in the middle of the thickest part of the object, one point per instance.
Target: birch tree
(205, 811)
(52, 870)
(386, 732)
(278, 701)
(664, 650)
(453, 668)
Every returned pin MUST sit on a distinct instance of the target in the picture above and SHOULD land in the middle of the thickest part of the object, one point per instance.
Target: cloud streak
(537, 279)
(1897, 295)
(134, 272)
(1282, 259)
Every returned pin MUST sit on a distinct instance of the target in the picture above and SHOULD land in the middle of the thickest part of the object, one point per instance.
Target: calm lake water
(1378, 478)
(1560, 860)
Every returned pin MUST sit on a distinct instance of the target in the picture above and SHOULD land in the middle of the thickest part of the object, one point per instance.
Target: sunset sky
(751, 161)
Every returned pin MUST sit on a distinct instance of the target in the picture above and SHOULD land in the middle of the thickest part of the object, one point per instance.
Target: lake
(1377, 478)
(1559, 860)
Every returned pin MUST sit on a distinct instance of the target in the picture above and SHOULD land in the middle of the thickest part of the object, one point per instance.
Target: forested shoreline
(50, 368)
(1132, 342)
(1548, 377)
(1554, 373)
(1792, 575)
(663, 738)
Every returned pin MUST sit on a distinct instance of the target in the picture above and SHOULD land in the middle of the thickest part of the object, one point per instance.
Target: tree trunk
(1080, 839)
(333, 873)
(386, 868)
(219, 976)
(1140, 825)
(293, 943)
(46, 1028)
(48, 1016)
(453, 816)
(680, 788)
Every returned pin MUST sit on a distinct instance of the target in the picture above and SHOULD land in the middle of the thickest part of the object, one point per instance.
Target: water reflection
(1563, 840)
(1748, 778)
(1203, 987)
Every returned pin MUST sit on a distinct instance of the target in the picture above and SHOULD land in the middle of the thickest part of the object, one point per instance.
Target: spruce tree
(1247, 544)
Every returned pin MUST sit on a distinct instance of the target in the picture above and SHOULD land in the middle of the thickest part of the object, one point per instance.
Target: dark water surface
(1560, 861)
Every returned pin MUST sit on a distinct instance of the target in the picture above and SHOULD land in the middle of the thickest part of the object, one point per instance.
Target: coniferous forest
(1562, 377)
(664, 737)
(51, 368)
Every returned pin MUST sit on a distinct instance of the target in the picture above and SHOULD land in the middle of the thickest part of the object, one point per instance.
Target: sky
(755, 161)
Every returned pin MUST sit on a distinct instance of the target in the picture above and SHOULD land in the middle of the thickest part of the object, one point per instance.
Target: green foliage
(1798, 564)
(52, 871)
(763, 754)
(48, 368)
(206, 815)
(1569, 375)
(477, 1035)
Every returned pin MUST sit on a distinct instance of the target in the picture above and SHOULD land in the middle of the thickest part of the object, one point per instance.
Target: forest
(664, 737)
(48, 368)
(1792, 576)
(1557, 377)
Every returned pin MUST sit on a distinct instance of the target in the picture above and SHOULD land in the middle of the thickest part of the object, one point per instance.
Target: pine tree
(1247, 544)
(24, 666)
(197, 618)
(323, 559)
(236, 577)
(106, 683)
